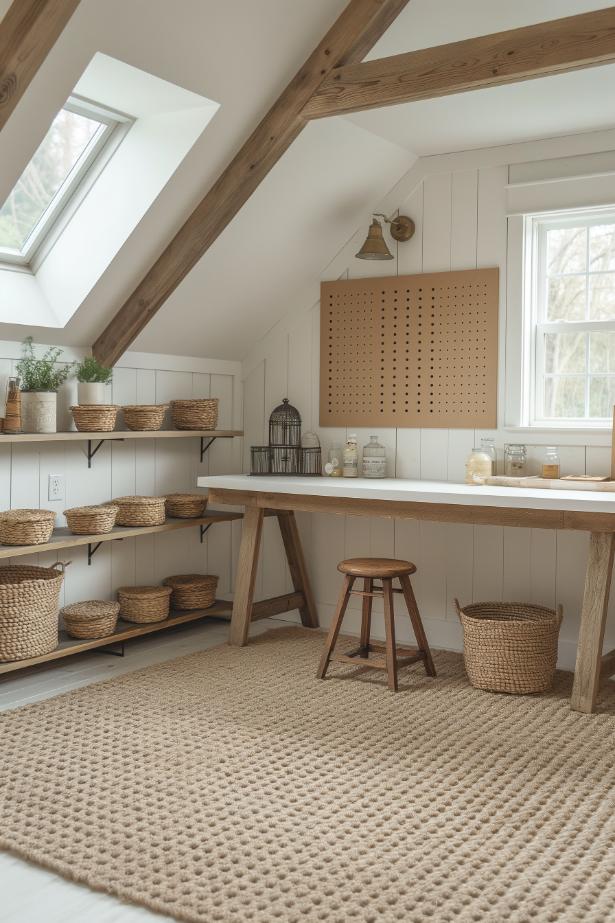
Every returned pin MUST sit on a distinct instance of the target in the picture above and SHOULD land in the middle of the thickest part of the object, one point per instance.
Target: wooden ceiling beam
(541, 50)
(28, 31)
(355, 31)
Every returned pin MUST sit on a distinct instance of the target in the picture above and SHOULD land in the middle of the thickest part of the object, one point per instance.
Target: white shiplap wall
(461, 221)
(147, 466)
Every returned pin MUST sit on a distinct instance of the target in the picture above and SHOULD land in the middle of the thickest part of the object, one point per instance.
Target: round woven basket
(95, 418)
(29, 598)
(143, 417)
(26, 527)
(140, 511)
(510, 647)
(93, 618)
(91, 520)
(186, 506)
(200, 413)
(144, 603)
(192, 591)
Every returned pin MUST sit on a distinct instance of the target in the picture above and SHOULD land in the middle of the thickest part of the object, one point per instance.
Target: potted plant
(39, 380)
(92, 378)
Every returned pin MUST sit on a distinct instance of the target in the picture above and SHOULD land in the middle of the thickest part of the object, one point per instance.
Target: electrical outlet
(55, 489)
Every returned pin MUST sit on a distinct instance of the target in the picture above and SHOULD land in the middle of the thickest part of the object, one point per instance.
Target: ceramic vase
(91, 392)
(39, 411)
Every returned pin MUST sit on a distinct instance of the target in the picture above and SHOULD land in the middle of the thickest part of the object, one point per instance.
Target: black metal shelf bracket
(92, 451)
(110, 650)
(206, 444)
(204, 528)
(92, 549)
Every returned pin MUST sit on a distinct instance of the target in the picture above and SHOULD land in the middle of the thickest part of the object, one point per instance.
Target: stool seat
(376, 567)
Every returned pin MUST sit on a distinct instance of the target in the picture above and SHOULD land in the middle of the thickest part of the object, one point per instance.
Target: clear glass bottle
(333, 466)
(351, 457)
(487, 444)
(550, 465)
(374, 459)
(515, 460)
(478, 466)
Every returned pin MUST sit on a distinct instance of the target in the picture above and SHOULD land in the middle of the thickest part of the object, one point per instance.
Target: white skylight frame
(113, 125)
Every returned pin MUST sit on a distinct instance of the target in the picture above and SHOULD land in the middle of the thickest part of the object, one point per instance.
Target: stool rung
(377, 664)
(379, 592)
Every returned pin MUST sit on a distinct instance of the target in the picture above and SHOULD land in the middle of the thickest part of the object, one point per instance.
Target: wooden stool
(385, 570)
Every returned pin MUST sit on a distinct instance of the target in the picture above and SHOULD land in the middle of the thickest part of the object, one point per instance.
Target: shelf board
(124, 631)
(121, 434)
(64, 538)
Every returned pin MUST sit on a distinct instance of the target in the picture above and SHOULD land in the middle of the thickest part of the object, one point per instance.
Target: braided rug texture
(231, 786)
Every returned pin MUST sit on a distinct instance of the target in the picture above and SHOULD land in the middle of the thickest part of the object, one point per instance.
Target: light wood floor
(31, 894)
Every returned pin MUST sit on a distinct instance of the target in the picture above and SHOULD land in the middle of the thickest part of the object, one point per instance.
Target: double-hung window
(572, 324)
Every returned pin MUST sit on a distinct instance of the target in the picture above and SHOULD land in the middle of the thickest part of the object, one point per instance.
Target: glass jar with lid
(515, 460)
(478, 466)
(487, 444)
(374, 459)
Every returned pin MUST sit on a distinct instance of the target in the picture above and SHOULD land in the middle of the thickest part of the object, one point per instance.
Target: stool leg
(417, 625)
(389, 630)
(336, 624)
(366, 617)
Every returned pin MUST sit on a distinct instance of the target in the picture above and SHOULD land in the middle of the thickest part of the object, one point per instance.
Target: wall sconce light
(375, 246)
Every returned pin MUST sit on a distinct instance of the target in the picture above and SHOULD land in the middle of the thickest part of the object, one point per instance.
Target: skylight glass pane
(59, 153)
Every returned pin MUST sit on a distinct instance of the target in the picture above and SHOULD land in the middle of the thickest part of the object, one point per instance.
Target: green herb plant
(41, 374)
(90, 370)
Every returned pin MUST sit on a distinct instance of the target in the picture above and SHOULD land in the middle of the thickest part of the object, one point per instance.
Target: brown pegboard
(410, 350)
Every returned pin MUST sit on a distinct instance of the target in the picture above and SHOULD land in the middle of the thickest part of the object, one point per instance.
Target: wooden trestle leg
(243, 602)
(593, 619)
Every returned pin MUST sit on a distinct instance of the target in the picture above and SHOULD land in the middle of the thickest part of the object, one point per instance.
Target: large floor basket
(510, 647)
(29, 602)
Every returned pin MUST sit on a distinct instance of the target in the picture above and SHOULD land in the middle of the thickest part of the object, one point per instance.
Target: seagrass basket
(200, 413)
(144, 417)
(29, 598)
(95, 418)
(91, 520)
(192, 591)
(140, 511)
(144, 603)
(510, 647)
(186, 506)
(93, 618)
(26, 527)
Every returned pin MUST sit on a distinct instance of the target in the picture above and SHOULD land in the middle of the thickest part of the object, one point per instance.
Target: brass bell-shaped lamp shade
(375, 247)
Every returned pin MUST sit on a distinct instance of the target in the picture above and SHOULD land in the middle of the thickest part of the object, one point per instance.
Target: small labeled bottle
(333, 466)
(550, 465)
(351, 457)
(478, 466)
(487, 444)
(374, 459)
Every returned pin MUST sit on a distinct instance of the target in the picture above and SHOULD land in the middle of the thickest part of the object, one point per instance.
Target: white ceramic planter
(39, 411)
(91, 392)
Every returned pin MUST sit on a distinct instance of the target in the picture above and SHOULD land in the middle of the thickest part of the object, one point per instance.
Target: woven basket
(510, 647)
(144, 417)
(186, 506)
(195, 414)
(144, 603)
(91, 520)
(95, 418)
(192, 591)
(140, 511)
(29, 599)
(26, 527)
(94, 618)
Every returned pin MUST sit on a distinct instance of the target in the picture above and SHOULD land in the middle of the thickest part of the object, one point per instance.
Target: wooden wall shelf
(207, 437)
(64, 538)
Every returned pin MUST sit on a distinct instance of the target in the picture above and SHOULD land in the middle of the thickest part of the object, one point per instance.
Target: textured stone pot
(39, 411)
(91, 392)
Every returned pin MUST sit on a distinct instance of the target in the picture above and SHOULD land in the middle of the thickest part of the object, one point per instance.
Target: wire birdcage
(285, 425)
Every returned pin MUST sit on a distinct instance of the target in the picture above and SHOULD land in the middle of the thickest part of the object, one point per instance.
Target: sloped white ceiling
(241, 53)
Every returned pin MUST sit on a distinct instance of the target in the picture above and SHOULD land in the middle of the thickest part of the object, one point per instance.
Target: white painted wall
(146, 466)
(459, 204)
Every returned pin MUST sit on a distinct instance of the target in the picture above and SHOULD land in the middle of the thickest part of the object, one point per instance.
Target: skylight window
(69, 150)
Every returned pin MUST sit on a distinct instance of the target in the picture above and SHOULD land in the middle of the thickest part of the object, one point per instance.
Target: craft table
(435, 501)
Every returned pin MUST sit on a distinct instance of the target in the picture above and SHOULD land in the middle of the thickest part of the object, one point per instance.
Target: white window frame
(114, 126)
(534, 324)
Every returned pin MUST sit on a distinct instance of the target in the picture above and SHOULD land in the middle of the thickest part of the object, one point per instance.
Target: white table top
(396, 489)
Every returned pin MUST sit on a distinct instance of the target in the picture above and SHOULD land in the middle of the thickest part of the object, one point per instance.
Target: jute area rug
(232, 786)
